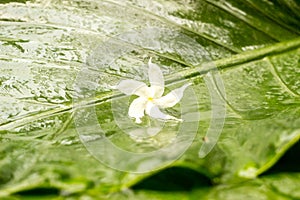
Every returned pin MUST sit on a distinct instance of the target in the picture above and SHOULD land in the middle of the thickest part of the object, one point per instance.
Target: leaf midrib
(241, 58)
(172, 79)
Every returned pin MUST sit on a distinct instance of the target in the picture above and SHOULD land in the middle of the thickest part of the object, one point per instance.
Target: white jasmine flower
(150, 99)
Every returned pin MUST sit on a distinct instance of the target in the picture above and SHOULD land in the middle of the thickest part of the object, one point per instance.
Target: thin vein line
(198, 70)
(272, 17)
(279, 79)
(240, 18)
(154, 16)
(167, 21)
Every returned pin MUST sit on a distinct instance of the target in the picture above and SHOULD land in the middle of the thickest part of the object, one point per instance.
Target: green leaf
(45, 45)
(279, 187)
(283, 186)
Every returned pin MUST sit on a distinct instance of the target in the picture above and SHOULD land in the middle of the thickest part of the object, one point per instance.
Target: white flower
(150, 98)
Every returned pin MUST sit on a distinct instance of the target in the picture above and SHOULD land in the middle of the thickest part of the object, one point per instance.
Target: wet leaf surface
(46, 46)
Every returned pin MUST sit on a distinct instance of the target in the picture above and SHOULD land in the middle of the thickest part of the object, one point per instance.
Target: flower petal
(156, 79)
(130, 87)
(153, 111)
(172, 98)
(137, 108)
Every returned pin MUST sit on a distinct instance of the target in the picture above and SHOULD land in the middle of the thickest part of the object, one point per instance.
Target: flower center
(150, 99)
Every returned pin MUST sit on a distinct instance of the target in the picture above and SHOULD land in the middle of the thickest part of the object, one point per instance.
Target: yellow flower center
(150, 99)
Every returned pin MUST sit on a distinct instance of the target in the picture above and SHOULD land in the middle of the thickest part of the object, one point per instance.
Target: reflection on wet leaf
(45, 44)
